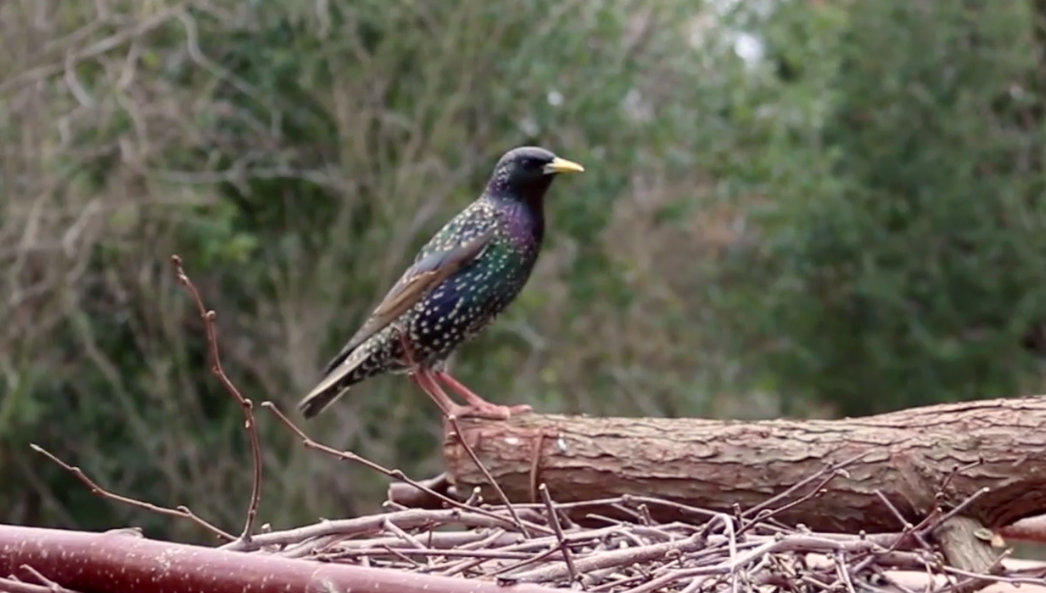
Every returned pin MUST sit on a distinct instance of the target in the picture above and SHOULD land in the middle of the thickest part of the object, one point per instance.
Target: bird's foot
(487, 411)
(476, 406)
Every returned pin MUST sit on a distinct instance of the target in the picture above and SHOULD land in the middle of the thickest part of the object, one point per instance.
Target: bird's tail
(333, 386)
(311, 405)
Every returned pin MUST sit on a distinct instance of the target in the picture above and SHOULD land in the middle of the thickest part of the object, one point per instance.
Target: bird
(463, 278)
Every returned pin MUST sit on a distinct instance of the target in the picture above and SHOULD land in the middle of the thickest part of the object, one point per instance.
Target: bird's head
(527, 171)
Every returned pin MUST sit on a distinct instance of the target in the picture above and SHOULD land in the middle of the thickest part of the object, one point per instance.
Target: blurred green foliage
(846, 222)
(908, 262)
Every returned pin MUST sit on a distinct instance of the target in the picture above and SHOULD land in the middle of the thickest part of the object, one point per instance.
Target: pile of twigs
(542, 546)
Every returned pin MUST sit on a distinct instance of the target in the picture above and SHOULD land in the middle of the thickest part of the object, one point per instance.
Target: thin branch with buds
(210, 322)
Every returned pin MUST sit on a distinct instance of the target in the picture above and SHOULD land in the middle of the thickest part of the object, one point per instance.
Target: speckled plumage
(460, 281)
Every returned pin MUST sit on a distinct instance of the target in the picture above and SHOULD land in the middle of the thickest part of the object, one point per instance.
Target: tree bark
(909, 456)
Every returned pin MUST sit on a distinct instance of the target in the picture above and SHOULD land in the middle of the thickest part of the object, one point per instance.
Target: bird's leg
(419, 375)
(424, 379)
(477, 406)
(408, 351)
(427, 382)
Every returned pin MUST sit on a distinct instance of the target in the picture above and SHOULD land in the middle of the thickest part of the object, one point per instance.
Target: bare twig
(209, 321)
(179, 511)
(957, 471)
(766, 514)
(486, 473)
(43, 585)
(907, 527)
(16, 586)
(827, 474)
(553, 520)
(929, 529)
(395, 474)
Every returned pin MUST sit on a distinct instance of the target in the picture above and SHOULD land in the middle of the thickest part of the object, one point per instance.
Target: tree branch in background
(909, 458)
(209, 321)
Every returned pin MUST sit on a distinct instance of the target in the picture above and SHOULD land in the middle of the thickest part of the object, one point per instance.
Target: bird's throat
(524, 220)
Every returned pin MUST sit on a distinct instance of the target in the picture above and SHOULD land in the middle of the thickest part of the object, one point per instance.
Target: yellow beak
(559, 165)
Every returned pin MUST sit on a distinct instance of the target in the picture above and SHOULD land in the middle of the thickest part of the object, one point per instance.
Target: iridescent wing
(412, 286)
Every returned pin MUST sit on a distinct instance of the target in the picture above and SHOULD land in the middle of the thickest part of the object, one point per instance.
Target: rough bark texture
(909, 456)
(120, 562)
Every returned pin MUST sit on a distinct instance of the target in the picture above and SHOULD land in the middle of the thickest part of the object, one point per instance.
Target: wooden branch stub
(965, 548)
(908, 456)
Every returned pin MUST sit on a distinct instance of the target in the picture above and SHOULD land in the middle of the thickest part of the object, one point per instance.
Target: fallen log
(903, 464)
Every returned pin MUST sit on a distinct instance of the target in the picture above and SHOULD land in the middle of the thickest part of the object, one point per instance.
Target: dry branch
(210, 324)
(907, 458)
(179, 511)
(102, 562)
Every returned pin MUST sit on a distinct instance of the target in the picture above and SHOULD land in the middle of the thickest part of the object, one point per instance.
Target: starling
(463, 278)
